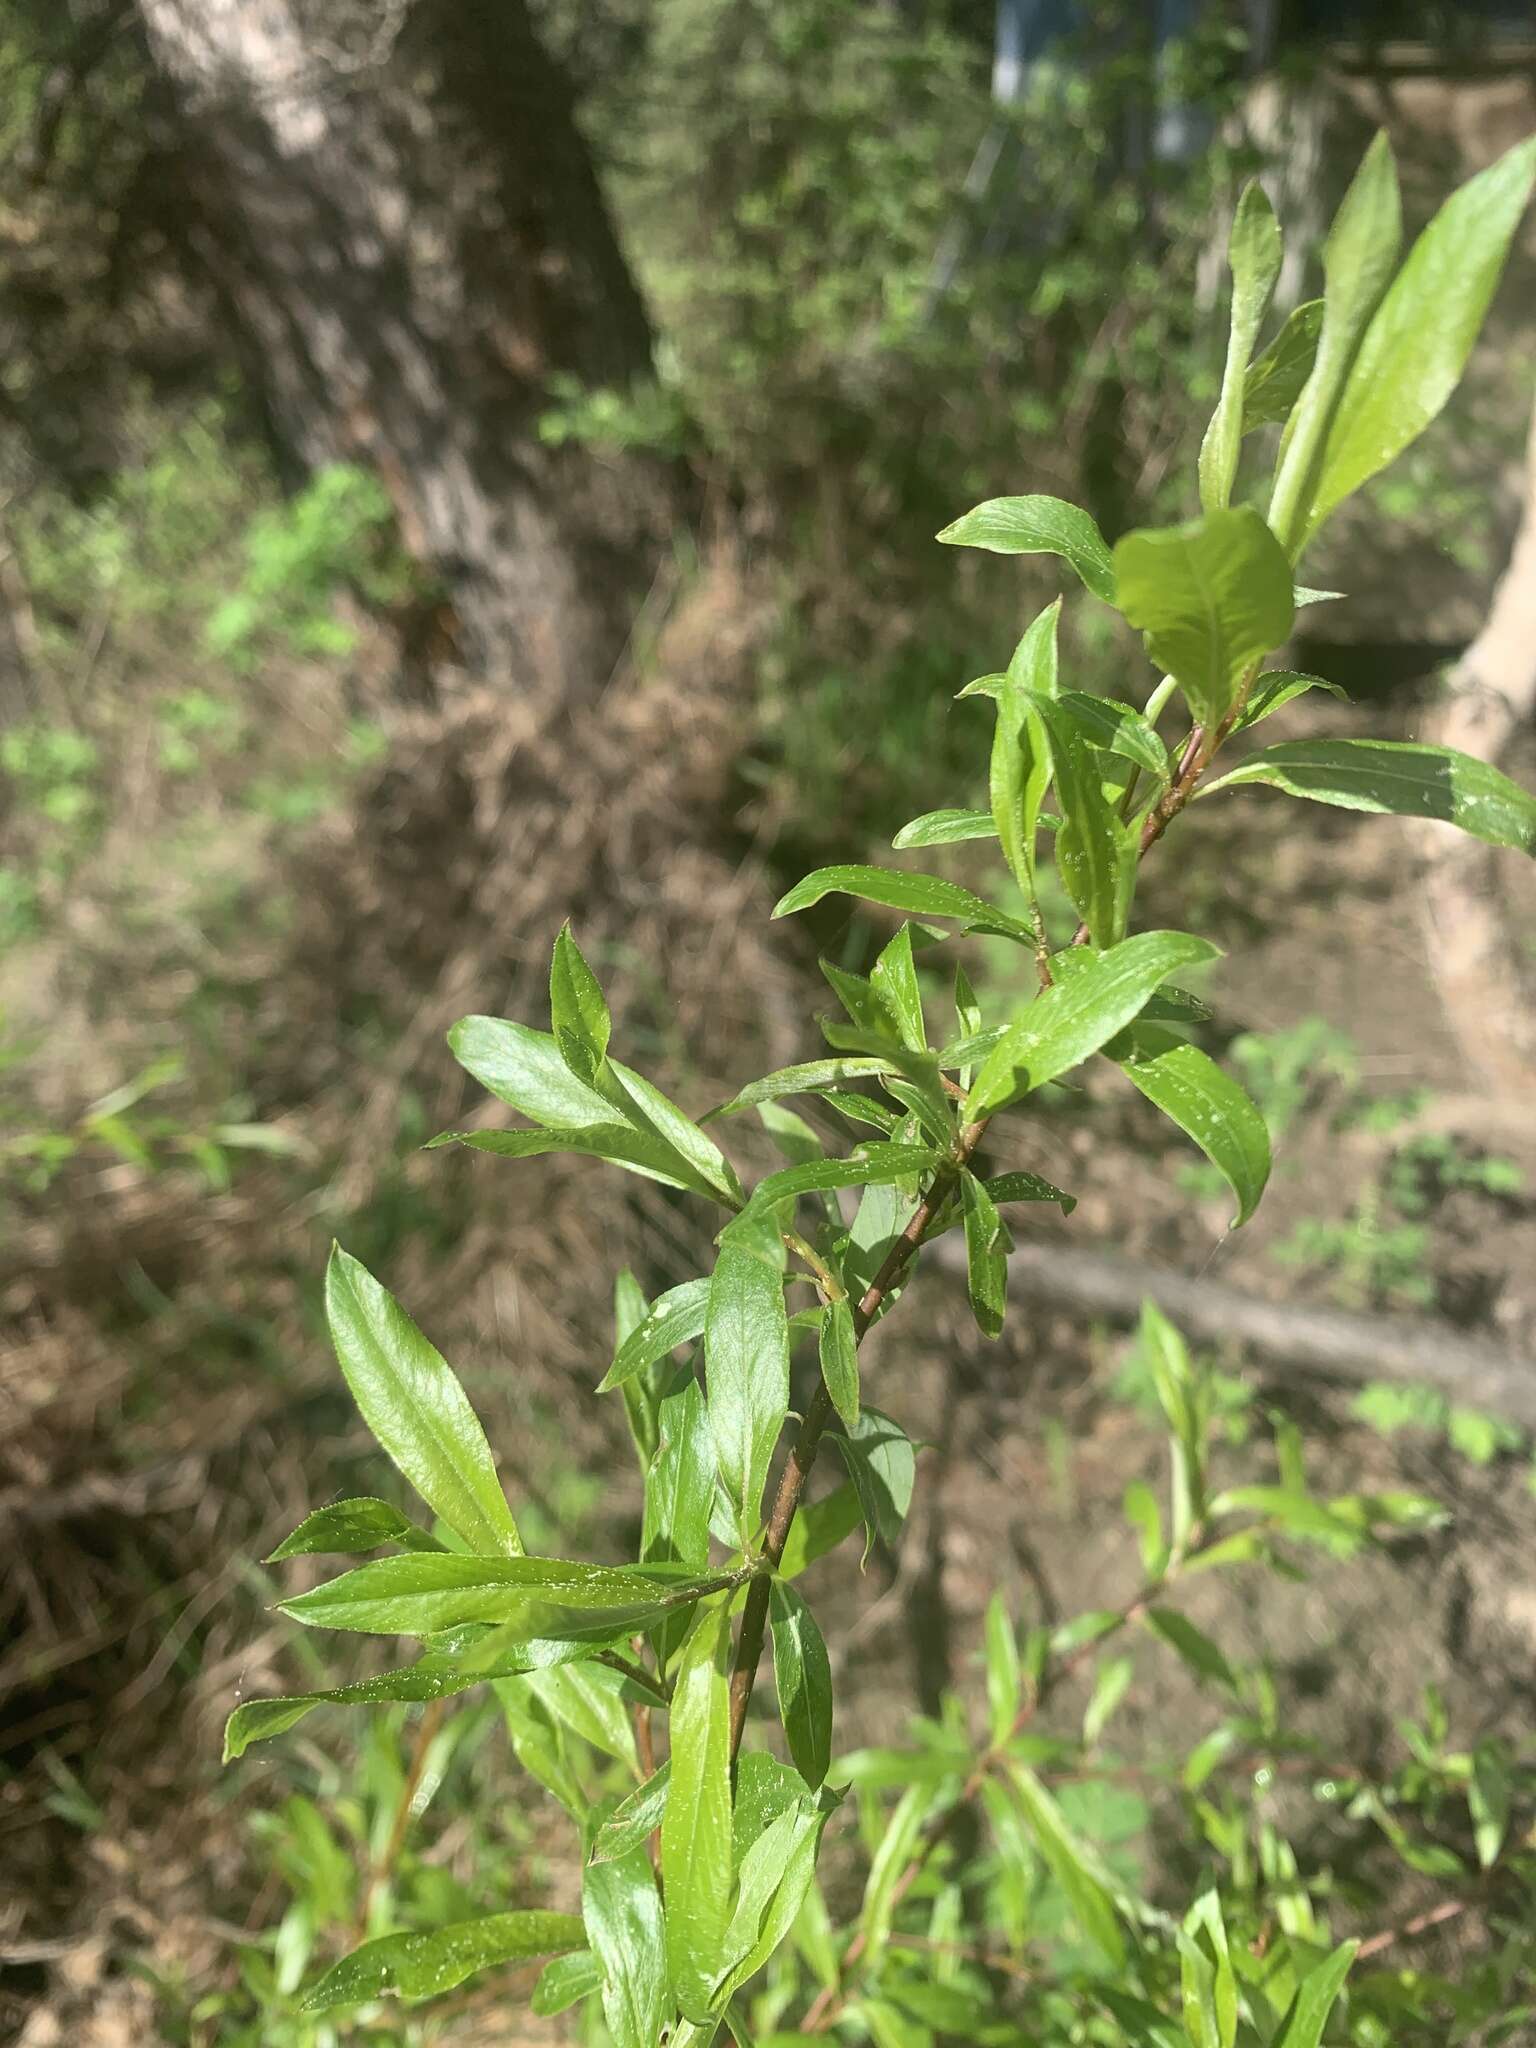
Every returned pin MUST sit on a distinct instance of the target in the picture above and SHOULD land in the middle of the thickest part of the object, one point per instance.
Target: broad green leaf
(696, 1826)
(1193, 1092)
(840, 1359)
(1095, 852)
(680, 1484)
(1316, 1996)
(423, 1965)
(1070, 1021)
(746, 1353)
(587, 1699)
(820, 1527)
(944, 828)
(1192, 1645)
(651, 1113)
(871, 1163)
(878, 1221)
(1116, 728)
(674, 1318)
(1020, 768)
(802, 1672)
(1253, 253)
(811, 1077)
(1027, 1187)
(1038, 526)
(1278, 373)
(352, 1525)
(634, 1818)
(1398, 777)
(1279, 687)
(624, 1923)
(894, 979)
(1211, 599)
(1072, 1864)
(765, 1788)
(1417, 345)
(921, 895)
(565, 1981)
(479, 1656)
(407, 1394)
(578, 1013)
(882, 1466)
(523, 1067)
(1359, 257)
(417, 1594)
(986, 1257)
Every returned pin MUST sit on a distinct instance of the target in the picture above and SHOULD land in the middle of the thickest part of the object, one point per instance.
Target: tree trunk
(398, 214)
(1491, 699)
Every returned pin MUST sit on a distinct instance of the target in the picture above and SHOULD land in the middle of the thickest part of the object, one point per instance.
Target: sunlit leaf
(423, 1965)
(1038, 526)
(1399, 777)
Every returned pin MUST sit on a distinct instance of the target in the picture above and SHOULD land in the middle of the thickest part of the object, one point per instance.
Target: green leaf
(1004, 1675)
(1359, 257)
(1316, 1996)
(1193, 1092)
(407, 1394)
(680, 1483)
(642, 1393)
(634, 1818)
(1027, 1187)
(872, 1163)
(1488, 1802)
(986, 1257)
(1211, 599)
(894, 979)
(1417, 345)
(1072, 1865)
(746, 1352)
(840, 1359)
(416, 1595)
(523, 1067)
(777, 1873)
(624, 1923)
(892, 1854)
(352, 1525)
(620, 1144)
(1253, 252)
(578, 1014)
(696, 1827)
(1109, 1689)
(674, 1318)
(882, 1466)
(564, 1982)
(587, 1699)
(1116, 728)
(921, 895)
(422, 1965)
(1277, 375)
(1220, 2008)
(820, 1527)
(1192, 1645)
(1038, 526)
(1073, 1019)
(1277, 688)
(1020, 770)
(944, 828)
(802, 1672)
(1095, 852)
(1399, 777)
(811, 1077)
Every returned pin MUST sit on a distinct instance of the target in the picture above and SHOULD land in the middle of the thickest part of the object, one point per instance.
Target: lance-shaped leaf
(634, 1818)
(1020, 768)
(811, 1077)
(1072, 1863)
(564, 1981)
(1206, 1104)
(423, 1965)
(894, 980)
(348, 1526)
(746, 1354)
(1253, 252)
(696, 1826)
(1417, 344)
(578, 1013)
(802, 1672)
(1095, 851)
(921, 895)
(673, 1318)
(839, 1350)
(620, 1144)
(544, 1596)
(1038, 526)
(680, 1484)
(820, 1527)
(776, 1874)
(642, 1393)
(1277, 688)
(1398, 777)
(1117, 729)
(1316, 1996)
(1278, 373)
(945, 828)
(1211, 599)
(1067, 1022)
(883, 1467)
(409, 1397)
(624, 1922)
(986, 1257)
(871, 1164)
(1359, 257)
(1027, 1187)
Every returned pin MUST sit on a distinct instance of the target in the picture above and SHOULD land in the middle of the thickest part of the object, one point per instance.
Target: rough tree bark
(398, 214)
(1491, 700)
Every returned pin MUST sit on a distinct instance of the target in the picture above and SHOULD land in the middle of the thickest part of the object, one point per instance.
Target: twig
(1432, 1916)
(383, 1867)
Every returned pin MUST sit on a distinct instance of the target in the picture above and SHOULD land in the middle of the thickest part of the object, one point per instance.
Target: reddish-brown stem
(1421, 1923)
